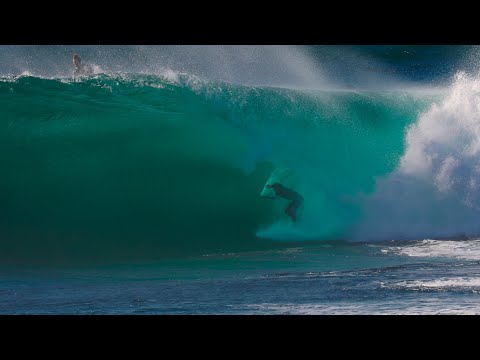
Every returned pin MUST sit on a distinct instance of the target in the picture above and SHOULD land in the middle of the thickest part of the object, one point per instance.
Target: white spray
(435, 191)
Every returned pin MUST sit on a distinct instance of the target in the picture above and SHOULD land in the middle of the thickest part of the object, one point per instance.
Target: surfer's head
(76, 60)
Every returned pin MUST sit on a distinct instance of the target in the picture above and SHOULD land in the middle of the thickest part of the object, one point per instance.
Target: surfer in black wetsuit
(288, 194)
(81, 69)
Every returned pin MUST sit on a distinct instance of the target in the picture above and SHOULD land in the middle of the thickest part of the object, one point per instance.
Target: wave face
(138, 166)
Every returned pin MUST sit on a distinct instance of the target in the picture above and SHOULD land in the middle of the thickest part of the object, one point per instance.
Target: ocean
(137, 190)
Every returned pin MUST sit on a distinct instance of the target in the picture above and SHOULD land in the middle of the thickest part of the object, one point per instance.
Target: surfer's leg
(293, 207)
(290, 211)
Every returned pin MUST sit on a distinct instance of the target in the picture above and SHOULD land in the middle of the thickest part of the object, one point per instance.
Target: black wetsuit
(289, 194)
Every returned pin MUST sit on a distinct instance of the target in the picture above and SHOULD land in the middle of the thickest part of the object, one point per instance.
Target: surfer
(288, 194)
(81, 69)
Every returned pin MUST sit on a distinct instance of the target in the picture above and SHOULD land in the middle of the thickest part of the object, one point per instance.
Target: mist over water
(314, 66)
(250, 65)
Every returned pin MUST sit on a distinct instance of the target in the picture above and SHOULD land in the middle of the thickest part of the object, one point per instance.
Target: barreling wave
(139, 166)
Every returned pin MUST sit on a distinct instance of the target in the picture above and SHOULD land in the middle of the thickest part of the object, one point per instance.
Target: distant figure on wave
(288, 194)
(81, 69)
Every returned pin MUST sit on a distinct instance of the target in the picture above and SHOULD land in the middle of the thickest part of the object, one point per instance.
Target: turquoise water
(144, 167)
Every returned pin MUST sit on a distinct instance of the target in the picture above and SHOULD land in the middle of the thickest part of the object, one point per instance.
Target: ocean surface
(137, 190)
